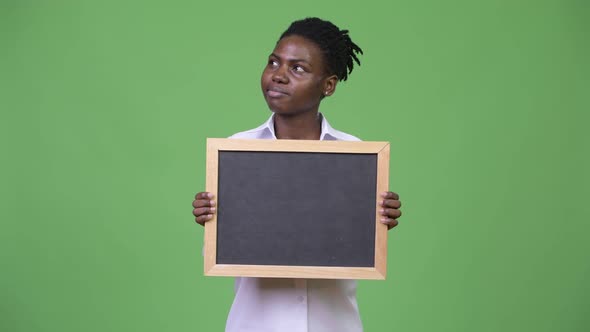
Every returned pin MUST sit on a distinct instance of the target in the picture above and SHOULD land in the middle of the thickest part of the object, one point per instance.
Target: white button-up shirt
(294, 305)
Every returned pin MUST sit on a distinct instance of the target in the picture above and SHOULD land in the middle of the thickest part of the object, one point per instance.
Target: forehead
(297, 47)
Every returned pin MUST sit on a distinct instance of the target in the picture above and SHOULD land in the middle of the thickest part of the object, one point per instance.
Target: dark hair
(338, 49)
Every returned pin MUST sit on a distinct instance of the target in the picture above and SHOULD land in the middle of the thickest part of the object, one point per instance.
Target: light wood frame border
(211, 268)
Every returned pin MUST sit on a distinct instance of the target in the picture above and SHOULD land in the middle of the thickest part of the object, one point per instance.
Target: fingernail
(212, 203)
(210, 195)
(212, 209)
(381, 202)
(384, 220)
(383, 195)
(381, 210)
(209, 216)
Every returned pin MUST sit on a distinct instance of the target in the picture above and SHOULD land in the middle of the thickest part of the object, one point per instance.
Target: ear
(330, 83)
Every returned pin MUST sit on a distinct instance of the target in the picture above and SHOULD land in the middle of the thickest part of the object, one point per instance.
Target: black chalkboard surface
(301, 209)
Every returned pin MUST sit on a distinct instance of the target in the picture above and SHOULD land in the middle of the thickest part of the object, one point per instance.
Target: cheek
(312, 93)
(265, 75)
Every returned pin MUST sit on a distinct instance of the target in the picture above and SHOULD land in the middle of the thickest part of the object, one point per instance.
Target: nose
(279, 75)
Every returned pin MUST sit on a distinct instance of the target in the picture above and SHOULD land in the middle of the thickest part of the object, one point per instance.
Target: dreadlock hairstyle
(338, 49)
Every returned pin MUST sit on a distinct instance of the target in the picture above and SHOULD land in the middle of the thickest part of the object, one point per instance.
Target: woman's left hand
(390, 211)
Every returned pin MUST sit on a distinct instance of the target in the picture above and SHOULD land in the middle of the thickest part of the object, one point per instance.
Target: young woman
(308, 61)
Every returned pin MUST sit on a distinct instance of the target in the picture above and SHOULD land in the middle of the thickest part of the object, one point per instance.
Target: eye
(273, 63)
(299, 69)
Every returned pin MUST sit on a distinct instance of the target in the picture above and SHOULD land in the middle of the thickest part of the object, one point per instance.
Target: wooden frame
(215, 145)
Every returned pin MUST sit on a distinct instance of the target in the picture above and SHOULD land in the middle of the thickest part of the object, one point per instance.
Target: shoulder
(337, 135)
(329, 133)
(258, 132)
(342, 136)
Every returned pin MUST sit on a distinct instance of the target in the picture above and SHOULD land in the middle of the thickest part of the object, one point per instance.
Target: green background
(105, 107)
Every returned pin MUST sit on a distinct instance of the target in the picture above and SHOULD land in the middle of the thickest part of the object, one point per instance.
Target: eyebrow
(290, 60)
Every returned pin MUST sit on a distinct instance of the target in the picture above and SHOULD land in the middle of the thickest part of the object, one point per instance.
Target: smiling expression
(295, 78)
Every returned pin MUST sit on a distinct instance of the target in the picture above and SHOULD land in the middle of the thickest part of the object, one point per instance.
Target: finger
(391, 223)
(391, 213)
(204, 218)
(204, 195)
(391, 203)
(197, 203)
(390, 195)
(203, 210)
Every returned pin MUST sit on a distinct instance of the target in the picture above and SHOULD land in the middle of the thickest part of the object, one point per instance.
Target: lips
(275, 92)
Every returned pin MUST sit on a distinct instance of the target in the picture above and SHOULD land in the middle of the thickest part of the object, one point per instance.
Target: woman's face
(295, 79)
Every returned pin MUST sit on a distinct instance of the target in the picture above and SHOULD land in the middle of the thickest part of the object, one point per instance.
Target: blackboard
(301, 209)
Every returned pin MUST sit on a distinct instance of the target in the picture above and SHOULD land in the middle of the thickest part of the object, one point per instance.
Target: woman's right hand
(203, 207)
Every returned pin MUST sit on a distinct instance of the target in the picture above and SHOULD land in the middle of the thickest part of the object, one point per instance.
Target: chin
(279, 110)
(283, 112)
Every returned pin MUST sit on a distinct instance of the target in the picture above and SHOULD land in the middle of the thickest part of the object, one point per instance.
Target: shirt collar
(327, 134)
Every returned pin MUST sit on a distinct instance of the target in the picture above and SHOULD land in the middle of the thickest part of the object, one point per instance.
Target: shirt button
(300, 298)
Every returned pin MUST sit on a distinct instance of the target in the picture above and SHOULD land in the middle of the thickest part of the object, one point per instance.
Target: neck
(301, 126)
